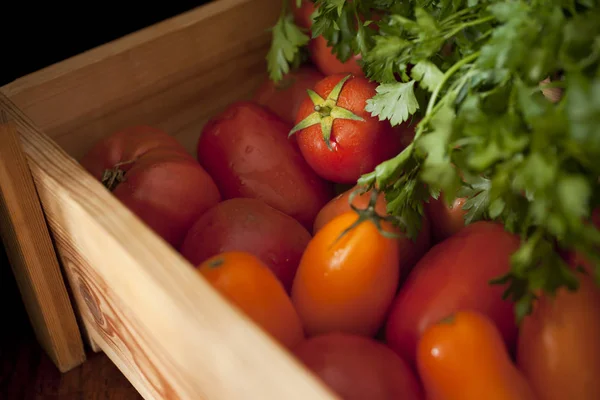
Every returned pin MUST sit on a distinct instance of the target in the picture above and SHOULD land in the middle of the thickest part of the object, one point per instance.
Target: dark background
(31, 38)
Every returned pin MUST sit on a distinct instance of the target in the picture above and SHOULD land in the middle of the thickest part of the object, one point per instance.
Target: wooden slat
(32, 256)
(162, 324)
(173, 75)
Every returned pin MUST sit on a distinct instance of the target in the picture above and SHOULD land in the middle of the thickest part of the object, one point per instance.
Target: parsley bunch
(473, 74)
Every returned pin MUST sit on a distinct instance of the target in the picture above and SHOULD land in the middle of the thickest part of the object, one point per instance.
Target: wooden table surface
(27, 373)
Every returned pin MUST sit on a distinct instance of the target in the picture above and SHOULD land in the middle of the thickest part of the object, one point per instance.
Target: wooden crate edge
(32, 256)
(206, 320)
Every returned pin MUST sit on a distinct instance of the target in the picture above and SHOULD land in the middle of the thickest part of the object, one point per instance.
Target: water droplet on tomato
(272, 257)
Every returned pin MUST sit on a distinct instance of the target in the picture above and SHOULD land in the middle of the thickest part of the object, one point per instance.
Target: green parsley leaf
(393, 101)
(428, 75)
(482, 69)
(476, 190)
(287, 40)
(437, 170)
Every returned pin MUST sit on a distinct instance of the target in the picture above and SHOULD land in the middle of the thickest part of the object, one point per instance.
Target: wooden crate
(138, 300)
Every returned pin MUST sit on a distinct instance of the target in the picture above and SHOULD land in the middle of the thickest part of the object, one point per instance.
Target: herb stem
(446, 76)
(458, 14)
(467, 25)
(437, 90)
(284, 8)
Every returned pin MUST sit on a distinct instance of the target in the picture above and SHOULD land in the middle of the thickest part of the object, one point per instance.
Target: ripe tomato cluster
(269, 213)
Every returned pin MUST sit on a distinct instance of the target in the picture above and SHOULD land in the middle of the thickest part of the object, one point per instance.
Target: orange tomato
(454, 275)
(409, 251)
(559, 344)
(445, 220)
(347, 284)
(249, 284)
(341, 204)
(463, 357)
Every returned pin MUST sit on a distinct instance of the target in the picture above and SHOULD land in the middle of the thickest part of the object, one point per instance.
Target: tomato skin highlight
(358, 368)
(464, 358)
(559, 344)
(357, 146)
(252, 226)
(409, 251)
(164, 185)
(454, 275)
(246, 151)
(250, 285)
(284, 98)
(346, 285)
(445, 220)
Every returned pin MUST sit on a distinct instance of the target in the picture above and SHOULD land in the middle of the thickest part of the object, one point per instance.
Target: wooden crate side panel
(32, 256)
(181, 110)
(101, 310)
(175, 333)
(173, 74)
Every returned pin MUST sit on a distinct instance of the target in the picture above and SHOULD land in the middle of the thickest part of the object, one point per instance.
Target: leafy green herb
(470, 71)
(286, 44)
(394, 101)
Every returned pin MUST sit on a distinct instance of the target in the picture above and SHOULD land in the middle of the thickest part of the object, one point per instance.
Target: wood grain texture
(27, 373)
(31, 253)
(170, 333)
(166, 328)
(161, 323)
(173, 75)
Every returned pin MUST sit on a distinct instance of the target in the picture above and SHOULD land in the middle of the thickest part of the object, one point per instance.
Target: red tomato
(559, 344)
(445, 220)
(358, 368)
(463, 357)
(323, 58)
(249, 284)
(320, 54)
(252, 226)
(406, 131)
(579, 260)
(409, 251)
(354, 147)
(347, 283)
(284, 98)
(302, 14)
(246, 151)
(454, 275)
(154, 177)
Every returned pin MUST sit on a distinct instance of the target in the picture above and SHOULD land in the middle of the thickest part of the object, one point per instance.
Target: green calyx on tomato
(369, 214)
(448, 319)
(217, 262)
(326, 111)
(112, 177)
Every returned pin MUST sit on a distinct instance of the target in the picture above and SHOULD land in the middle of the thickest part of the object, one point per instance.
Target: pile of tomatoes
(276, 223)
